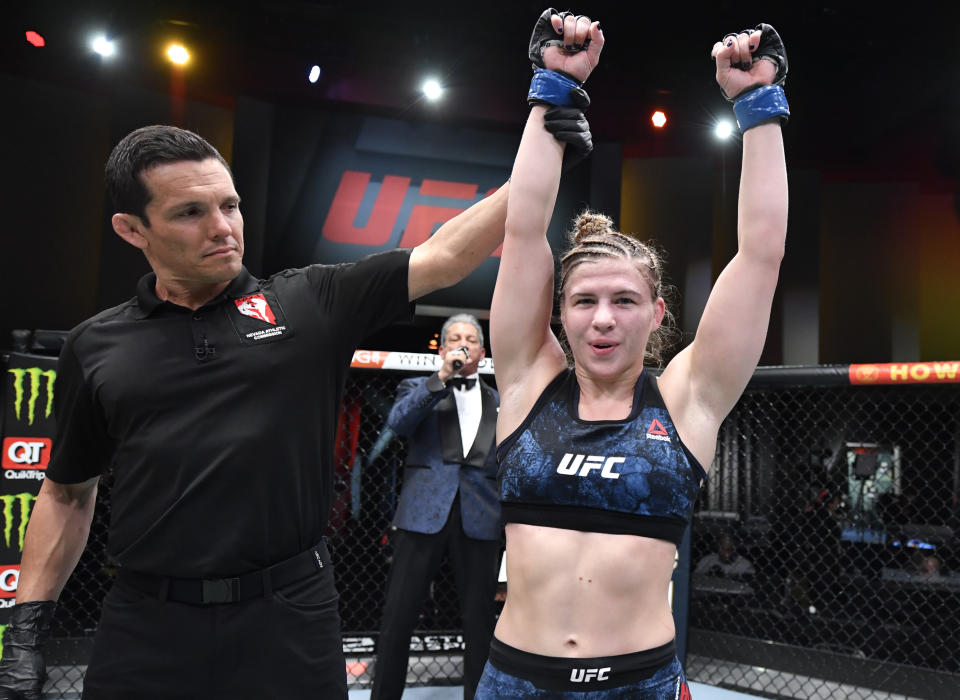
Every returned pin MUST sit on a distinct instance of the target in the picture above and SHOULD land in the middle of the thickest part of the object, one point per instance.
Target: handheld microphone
(457, 364)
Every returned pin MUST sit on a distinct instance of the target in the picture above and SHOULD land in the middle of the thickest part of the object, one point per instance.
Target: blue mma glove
(549, 87)
(759, 103)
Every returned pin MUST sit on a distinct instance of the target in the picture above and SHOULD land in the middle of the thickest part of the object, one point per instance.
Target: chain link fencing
(824, 560)
(824, 550)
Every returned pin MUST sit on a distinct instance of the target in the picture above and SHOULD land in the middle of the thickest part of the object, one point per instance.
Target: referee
(213, 396)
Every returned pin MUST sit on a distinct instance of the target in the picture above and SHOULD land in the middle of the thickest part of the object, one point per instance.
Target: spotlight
(103, 46)
(315, 74)
(659, 119)
(35, 39)
(178, 54)
(723, 130)
(432, 90)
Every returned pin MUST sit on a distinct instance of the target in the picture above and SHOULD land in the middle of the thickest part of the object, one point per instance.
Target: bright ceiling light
(659, 119)
(432, 90)
(723, 130)
(315, 73)
(103, 46)
(178, 54)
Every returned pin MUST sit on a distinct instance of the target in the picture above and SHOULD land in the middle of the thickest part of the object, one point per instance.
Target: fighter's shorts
(653, 674)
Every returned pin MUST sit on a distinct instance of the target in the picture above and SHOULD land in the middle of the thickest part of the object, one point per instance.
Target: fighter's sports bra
(632, 476)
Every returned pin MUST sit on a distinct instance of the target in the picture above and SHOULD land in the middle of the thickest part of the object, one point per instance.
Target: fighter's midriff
(585, 594)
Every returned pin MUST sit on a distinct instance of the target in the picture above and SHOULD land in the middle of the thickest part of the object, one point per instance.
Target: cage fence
(824, 558)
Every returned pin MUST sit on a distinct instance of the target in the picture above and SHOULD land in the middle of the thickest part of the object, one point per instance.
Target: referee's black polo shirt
(219, 423)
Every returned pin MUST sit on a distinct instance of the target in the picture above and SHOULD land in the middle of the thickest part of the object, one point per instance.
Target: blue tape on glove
(759, 105)
(550, 87)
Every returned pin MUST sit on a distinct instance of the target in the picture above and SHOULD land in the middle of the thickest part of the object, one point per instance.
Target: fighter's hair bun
(590, 223)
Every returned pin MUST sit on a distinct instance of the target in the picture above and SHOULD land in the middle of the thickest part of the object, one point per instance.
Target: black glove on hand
(567, 124)
(770, 48)
(545, 35)
(22, 668)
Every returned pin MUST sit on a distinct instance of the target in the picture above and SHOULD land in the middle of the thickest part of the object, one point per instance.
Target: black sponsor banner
(28, 431)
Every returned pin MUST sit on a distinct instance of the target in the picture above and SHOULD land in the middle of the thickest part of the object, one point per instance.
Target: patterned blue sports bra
(632, 476)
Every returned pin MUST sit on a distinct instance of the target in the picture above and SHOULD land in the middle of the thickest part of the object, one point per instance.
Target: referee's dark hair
(143, 149)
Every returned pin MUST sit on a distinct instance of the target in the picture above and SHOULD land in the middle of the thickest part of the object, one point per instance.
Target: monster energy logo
(34, 373)
(25, 500)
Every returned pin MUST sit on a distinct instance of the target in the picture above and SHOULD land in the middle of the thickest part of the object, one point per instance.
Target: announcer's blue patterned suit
(448, 503)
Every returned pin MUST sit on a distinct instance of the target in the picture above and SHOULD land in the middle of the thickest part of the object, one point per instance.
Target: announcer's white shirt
(469, 411)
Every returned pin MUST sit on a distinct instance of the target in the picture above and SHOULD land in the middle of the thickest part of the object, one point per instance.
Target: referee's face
(195, 234)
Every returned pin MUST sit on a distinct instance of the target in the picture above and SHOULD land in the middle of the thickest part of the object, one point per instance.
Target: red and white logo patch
(656, 431)
(25, 453)
(9, 578)
(256, 306)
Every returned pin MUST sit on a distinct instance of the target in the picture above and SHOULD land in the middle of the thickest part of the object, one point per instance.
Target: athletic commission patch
(259, 319)
(256, 306)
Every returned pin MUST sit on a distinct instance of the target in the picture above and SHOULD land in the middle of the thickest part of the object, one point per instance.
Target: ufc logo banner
(344, 186)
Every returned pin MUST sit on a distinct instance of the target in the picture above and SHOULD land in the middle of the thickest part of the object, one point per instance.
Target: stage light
(723, 130)
(432, 90)
(103, 46)
(35, 39)
(315, 74)
(178, 54)
(659, 119)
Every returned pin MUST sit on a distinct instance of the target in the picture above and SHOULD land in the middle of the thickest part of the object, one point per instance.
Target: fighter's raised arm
(461, 244)
(712, 372)
(564, 49)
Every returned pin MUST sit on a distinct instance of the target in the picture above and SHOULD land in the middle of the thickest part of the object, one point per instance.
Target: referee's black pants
(284, 645)
(416, 559)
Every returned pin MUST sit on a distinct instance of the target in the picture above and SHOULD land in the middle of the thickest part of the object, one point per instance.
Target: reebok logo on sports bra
(656, 431)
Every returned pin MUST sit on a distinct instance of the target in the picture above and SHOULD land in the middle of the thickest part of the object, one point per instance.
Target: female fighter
(600, 461)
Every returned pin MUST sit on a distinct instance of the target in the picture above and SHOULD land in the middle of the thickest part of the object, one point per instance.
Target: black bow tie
(462, 382)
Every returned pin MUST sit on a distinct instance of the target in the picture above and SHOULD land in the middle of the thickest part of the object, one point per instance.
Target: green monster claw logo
(26, 501)
(34, 373)
(2, 628)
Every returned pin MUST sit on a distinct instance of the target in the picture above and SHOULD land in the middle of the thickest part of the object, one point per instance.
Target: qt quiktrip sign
(28, 431)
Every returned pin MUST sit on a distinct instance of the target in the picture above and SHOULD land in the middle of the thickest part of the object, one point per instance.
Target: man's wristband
(757, 106)
(550, 87)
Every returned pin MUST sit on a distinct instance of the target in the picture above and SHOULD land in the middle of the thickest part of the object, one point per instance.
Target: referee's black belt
(207, 591)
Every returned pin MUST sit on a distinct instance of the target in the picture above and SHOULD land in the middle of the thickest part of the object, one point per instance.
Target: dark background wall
(872, 253)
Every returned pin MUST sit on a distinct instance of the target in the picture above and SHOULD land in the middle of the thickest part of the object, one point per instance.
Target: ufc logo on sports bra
(582, 465)
(585, 675)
